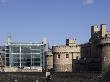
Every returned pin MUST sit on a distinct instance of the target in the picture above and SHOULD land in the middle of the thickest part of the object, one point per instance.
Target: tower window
(77, 57)
(67, 55)
(104, 58)
(58, 55)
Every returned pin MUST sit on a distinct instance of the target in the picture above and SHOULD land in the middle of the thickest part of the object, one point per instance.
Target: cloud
(88, 2)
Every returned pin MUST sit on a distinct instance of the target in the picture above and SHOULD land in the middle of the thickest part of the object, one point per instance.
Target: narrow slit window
(67, 55)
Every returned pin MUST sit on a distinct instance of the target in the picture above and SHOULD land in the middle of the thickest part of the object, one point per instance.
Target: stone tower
(105, 46)
(100, 46)
(64, 56)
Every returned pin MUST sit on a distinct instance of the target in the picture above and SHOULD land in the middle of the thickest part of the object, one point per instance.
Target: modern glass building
(22, 55)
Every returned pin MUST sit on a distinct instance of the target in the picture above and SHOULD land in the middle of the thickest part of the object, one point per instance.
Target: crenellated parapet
(65, 49)
(99, 36)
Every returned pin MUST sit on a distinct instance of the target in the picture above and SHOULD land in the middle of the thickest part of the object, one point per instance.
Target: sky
(56, 20)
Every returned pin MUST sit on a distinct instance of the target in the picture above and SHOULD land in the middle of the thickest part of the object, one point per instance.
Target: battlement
(70, 46)
(70, 42)
(64, 48)
(95, 29)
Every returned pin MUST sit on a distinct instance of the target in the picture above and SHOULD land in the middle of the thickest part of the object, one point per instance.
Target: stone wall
(63, 57)
(105, 56)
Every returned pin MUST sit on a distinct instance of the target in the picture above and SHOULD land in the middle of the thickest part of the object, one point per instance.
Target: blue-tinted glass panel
(15, 49)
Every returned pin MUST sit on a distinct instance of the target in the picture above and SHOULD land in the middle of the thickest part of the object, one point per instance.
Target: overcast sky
(33, 20)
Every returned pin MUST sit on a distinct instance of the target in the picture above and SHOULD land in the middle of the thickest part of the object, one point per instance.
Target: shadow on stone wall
(55, 77)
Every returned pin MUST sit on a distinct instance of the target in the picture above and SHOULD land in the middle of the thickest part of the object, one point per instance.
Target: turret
(70, 42)
(94, 29)
(103, 29)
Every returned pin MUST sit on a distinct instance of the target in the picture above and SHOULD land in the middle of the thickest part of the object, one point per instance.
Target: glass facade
(25, 54)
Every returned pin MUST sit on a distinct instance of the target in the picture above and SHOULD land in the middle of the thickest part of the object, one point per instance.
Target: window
(67, 55)
(14, 49)
(77, 57)
(104, 58)
(58, 55)
(35, 63)
(35, 47)
(35, 59)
